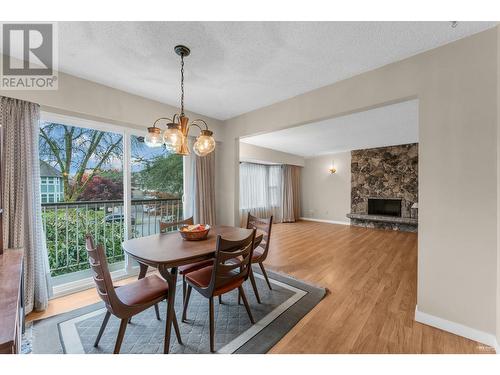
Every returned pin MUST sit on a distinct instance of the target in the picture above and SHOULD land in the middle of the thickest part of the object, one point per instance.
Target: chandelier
(175, 137)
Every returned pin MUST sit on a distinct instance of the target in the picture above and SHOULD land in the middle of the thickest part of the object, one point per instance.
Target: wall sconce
(332, 169)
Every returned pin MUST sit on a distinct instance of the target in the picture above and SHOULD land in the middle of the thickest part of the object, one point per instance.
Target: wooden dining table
(167, 251)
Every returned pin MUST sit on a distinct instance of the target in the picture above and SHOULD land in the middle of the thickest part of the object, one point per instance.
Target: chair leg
(103, 327)
(254, 285)
(177, 330)
(157, 311)
(121, 333)
(212, 325)
(183, 288)
(220, 298)
(186, 302)
(247, 307)
(265, 275)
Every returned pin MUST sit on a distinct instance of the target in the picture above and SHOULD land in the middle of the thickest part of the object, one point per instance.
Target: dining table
(167, 251)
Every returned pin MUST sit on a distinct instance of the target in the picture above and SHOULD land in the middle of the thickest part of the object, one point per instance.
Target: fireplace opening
(386, 207)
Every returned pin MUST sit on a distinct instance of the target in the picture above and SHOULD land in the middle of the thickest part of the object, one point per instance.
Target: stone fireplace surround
(389, 173)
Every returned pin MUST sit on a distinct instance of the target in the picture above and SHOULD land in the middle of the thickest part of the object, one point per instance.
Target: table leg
(171, 279)
(143, 269)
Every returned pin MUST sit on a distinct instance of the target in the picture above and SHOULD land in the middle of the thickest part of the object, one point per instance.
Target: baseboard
(457, 329)
(325, 221)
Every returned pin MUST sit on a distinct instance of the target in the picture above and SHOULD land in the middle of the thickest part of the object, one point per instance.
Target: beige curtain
(291, 193)
(204, 189)
(22, 224)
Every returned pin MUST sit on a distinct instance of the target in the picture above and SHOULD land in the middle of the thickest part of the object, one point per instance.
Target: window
(80, 167)
(260, 190)
(156, 187)
(82, 183)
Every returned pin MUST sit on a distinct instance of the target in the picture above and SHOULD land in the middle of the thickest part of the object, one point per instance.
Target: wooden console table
(12, 300)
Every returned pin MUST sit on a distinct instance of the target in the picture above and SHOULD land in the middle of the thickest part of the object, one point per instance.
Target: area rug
(282, 307)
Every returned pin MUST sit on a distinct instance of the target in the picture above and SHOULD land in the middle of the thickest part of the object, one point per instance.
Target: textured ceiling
(236, 67)
(385, 126)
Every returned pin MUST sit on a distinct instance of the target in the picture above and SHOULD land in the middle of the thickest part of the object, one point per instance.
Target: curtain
(22, 224)
(204, 189)
(291, 193)
(260, 191)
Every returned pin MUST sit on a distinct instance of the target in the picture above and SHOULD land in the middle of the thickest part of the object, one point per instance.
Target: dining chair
(127, 300)
(229, 270)
(186, 268)
(261, 249)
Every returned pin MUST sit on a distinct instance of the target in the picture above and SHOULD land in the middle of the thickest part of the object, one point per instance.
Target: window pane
(80, 168)
(156, 187)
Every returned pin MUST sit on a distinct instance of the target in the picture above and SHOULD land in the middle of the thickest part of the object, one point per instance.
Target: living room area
(249, 187)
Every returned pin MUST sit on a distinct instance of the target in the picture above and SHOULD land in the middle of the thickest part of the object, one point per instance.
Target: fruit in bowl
(196, 232)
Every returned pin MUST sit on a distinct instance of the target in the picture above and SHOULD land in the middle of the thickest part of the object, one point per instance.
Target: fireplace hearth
(384, 207)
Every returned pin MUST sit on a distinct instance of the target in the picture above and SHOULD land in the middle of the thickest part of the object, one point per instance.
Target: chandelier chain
(182, 84)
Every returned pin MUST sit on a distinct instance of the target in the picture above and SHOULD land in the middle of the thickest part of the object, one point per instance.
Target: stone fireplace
(384, 186)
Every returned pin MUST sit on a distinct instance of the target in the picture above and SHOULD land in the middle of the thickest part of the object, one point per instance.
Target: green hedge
(72, 225)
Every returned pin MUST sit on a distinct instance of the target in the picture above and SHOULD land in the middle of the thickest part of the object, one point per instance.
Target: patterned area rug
(281, 308)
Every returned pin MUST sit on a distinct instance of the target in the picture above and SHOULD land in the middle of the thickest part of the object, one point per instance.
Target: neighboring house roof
(46, 170)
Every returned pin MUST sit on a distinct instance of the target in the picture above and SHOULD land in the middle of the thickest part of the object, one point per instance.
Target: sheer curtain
(22, 220)
(260, 191)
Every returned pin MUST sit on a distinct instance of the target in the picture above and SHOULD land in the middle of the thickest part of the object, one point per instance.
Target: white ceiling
(385, 126)
(236, 67)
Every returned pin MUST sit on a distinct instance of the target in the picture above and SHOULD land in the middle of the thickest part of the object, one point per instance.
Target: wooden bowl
(194, 235)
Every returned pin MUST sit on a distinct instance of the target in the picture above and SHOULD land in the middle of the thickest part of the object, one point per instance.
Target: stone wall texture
(384, 172)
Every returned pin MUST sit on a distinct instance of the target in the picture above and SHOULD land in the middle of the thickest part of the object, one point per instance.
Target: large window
(83, 184)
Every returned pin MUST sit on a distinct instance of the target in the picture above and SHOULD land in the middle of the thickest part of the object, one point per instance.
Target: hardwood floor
(371, 276)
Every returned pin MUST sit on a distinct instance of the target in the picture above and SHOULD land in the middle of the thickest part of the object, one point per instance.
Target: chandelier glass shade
(175, 137)
(204, 144)
(154, 137)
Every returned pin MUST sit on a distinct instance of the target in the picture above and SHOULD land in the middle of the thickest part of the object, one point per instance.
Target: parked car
(118, 218)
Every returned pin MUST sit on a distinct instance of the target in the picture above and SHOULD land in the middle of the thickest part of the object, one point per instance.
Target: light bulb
(204, 144)
(173, 137)
(153, 138)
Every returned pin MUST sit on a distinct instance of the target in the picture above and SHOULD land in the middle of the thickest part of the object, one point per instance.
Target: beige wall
(457, 88)
(325, 196)
(252, 153)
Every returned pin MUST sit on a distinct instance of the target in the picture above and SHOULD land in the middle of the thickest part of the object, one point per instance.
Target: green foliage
(67, 229)
(112, 174)
(163, 174)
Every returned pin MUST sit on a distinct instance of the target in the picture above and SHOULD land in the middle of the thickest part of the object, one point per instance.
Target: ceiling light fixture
(175, 138)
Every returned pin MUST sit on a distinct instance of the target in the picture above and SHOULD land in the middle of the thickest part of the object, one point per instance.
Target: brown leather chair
(186, 268)
(228, 271)
(127, 300)
(262, 249)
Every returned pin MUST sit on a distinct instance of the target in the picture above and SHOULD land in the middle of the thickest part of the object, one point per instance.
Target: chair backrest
(165, 226)
(101, 275)
(232, 260)
(263, 225)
